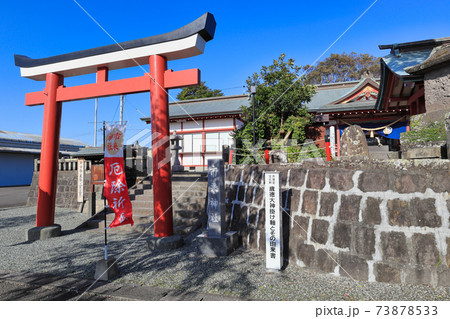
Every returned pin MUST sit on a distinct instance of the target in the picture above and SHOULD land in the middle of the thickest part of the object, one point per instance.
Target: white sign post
(274, 233)
(333, 141)
(80, 180)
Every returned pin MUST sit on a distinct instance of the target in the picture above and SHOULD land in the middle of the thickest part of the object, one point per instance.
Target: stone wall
(373, 221)
(437, 96)
(66, 192)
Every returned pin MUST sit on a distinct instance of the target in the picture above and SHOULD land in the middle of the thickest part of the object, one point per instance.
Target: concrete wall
(66, 192)
(373, 221)
(437, 95)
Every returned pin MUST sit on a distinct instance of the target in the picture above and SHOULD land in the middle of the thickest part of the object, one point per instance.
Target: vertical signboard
(333, 141)
(274, 244)
(80, 180)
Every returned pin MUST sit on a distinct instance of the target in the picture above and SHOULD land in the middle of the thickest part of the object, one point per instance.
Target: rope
(301, 152)
(376, 128)
(247, 149)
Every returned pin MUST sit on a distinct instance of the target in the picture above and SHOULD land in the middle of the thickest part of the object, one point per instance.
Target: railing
(65, 164)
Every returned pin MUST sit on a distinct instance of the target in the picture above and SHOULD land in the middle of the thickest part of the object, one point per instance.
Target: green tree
(279, 105)
(343, 67)
(198, 92)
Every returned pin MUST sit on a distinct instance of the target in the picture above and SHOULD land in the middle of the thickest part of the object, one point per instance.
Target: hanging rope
(372, 130)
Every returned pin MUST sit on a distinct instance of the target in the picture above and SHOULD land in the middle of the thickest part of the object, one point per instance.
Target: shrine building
(414, 77)
(205, 125)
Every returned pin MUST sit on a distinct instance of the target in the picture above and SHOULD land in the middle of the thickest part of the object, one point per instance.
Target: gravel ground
(241, 274)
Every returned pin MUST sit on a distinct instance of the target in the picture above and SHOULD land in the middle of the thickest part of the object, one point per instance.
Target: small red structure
(185, 42)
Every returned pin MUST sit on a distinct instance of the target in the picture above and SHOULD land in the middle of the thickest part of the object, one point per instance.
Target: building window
(212, 142)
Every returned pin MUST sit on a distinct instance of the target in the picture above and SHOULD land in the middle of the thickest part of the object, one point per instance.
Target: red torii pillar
(162, 182)
(49, 152)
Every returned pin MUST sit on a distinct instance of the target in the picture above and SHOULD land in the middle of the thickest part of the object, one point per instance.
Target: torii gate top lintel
(184, 42)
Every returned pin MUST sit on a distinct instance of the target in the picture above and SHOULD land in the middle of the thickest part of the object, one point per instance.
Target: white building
(205, 125)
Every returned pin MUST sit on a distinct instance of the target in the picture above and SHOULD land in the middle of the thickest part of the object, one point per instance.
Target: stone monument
(216, 240)
(278, 156)
(354, 143)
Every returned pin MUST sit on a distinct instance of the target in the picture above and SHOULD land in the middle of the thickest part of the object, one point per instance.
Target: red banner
(116, 190)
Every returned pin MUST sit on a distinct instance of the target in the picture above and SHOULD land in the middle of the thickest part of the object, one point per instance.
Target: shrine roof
(323, 97)
(404, 57)
(328, 97)
(211, 106)
(397, 63)
(437, 57)
(33, 138)
(354, 106)
(89, 151)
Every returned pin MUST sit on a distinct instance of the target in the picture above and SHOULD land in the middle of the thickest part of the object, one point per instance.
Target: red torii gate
(185, 42)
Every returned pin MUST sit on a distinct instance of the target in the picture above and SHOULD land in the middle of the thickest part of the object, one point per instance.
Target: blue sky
(248, 35)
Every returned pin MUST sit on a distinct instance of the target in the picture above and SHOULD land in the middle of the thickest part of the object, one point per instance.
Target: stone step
(138, 203)
(188, 206)
(180, 221)
(186, 198)
(144, 228)
(190, 187)
(142, 197)
(186, 230)
(187, 179)
(376, 148)
(143, 186)
(140, 191)
(143, 210)
(178, 191)
(175, 195)
(143, 219)
(197, 202)
(186, 193)
(180, 213)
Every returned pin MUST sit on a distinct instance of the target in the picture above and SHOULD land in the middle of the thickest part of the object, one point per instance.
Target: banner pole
(104, 198)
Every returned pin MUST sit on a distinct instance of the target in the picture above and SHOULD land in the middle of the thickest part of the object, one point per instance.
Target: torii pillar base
(43, 232)
(165, 243)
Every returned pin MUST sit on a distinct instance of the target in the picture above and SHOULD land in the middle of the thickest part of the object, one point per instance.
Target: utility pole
(121, 109)
(253, 92)
(95, 123)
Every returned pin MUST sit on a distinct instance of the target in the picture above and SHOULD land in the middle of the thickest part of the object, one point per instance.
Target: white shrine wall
(203, 139)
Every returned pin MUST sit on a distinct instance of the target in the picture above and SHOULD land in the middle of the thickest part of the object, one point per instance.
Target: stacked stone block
(369, 222)
(66, 191)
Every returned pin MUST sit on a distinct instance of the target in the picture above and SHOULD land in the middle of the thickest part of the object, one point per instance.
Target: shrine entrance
(156, 51)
